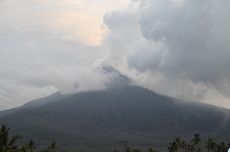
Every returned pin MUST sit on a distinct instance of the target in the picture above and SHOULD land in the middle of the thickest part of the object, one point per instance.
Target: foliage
(194, 145)
(8, 143)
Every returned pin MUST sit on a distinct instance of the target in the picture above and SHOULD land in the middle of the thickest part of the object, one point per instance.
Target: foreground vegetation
(8, 144)
(194, 145)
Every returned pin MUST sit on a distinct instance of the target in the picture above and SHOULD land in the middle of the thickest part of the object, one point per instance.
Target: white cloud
(177, 48)
(38, 57)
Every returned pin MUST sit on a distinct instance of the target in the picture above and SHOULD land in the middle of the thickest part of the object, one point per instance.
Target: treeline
(194, 145)
(8, 143)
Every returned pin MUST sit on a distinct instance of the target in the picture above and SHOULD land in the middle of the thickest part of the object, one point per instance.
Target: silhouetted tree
(176, 145)
(222, 147)
(152, 150)
(136, 150)
(125, 143)
(31, 146)
(129, 149)
(7, 143)
(195, 142)
(211, 145)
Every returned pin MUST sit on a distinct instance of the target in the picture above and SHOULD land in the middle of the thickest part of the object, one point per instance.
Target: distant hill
(98, 119)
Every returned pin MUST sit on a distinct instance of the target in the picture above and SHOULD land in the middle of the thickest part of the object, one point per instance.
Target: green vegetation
(8, 143)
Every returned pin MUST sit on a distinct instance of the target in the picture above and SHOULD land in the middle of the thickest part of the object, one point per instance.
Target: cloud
(37, 59)
(196, 35)
(81, 20)
(175, 47)
(178, 48)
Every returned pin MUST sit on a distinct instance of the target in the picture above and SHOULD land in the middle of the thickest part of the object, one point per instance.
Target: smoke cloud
(178, 48)
(175, 47)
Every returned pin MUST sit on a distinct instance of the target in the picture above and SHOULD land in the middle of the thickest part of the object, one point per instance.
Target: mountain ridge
(96, 118)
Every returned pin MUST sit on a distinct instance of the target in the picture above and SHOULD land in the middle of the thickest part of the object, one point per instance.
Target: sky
(178, 48)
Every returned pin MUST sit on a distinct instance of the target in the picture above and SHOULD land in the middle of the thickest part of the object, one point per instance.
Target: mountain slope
(101, 118)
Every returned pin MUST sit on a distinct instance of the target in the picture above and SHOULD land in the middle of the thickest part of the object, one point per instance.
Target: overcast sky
(178, 48)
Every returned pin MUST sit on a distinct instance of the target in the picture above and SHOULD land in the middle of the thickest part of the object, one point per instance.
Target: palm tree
(222, 147)
(195, 142)
(176, 145)
(129, 149)
(196, 139)
(152, 150)
(191, 148)
(211, 145)
(24, 148)
(136, 150)
(184, 146)
(51, 148)
(31, 146)
(6, 143)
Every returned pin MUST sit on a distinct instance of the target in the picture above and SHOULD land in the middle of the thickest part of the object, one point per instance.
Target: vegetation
(8, 143)
(194, 145)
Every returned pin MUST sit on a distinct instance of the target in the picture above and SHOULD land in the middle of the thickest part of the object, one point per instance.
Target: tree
(31, 146)
(152, 150)
(211, 145)
(125, 143)
(176, 145)
(136, 150)
(222, 147)
(195, 142)
(51, 148)
(7, 144)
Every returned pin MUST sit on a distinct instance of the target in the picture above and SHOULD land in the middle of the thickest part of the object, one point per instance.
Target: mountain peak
(116, 78)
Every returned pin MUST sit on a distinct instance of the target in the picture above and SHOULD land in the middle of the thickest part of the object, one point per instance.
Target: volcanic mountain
(97, 120)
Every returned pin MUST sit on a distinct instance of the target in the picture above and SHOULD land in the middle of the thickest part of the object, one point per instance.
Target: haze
(178, 48)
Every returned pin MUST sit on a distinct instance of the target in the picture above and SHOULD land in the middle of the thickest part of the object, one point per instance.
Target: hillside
(99, 119)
